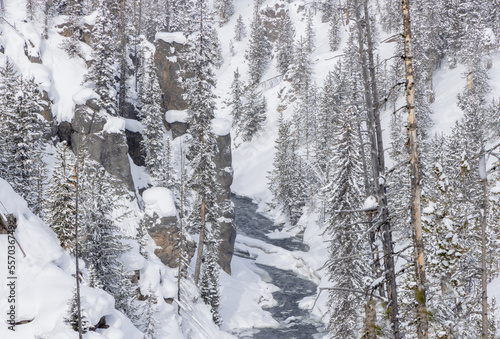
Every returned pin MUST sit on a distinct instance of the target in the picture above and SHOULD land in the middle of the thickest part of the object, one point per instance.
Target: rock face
(108, 148)
(165, 233)
(223, 163)
(167, 65)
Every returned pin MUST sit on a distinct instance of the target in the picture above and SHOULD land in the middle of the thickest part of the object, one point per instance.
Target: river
(295, 323)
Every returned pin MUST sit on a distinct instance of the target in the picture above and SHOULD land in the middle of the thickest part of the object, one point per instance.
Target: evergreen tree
(284, 44)
(254, 114)
(259, 48)
(210, 276)
(72, 315)
(349, 271)
(236, 96)
(286, 181)
(27, 170)
(101, 74)
(201, 106)
(239, 29)
(310, 34)
(224, 8)
(334, 32)
(154, 130)
(301, 68)
(61, 197)
(150, 323)
(72, 44)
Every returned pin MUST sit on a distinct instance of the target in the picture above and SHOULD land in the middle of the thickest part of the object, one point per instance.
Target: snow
(81, 97)
(114, 125)
(160, 201)
(370, 203)
(221, 126)
(133, 125)
(176, 116)
(171, 37)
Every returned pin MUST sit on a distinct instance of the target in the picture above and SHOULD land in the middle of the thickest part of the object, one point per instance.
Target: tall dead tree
(377, 155)
(416, 222)
(484, 281)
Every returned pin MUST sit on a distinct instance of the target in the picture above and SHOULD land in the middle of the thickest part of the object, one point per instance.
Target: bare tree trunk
(181, 217)
(77, 254)
(123, 61)
(422, 321)
(484, 281)
(199, 256)
(378, 159)
(370, 330)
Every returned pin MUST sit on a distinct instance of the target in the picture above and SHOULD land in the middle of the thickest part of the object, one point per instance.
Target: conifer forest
(201, 169)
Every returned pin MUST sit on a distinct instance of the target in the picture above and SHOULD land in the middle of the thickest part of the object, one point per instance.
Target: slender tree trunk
(123, 61)
(199, 256)
(77, 254)
(181, 216)
(422, 321)
(379, 182)
(484, 220)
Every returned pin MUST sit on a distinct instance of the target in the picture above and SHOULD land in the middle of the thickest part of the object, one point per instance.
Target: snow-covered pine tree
(334, 31)
(101, 74)
(154, 130)
(259, 47)
(72, 315)
(286, 181)
(150, 324)
(9, 90)
(224, 9)
(209, 284)
(71, 45)
(237, 90)
(254, 113)
(239, 29)
(349, 269)
(310, 33)
(61, 192)
(300, 69)
(285, 44)
(27, 170)
(198, 87)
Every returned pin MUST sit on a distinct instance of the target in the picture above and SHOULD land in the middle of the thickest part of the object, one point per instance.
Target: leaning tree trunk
(379, 182)
(484, 282)
(422, 321)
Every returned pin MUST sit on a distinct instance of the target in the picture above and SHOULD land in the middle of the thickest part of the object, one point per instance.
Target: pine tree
(210, 277)
(310, 34)
(72, 315)
(235, 101)
(334, 32)
(254, 114)
(154, 130)
(72, 44)
(224, 8)
(301, 70)
(286, 181)
(61, 197)
(284, 44)
(101, 74)
(201, 106)
(239, 29)
(348, 269)
(150, 324)
(259, 48)
(27, 170)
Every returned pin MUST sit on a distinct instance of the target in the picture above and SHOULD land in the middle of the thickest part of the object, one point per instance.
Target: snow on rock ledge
(159, 200)
(171, 37)
(81, 97)
(114, 125)
(221, 127)
(176, 116)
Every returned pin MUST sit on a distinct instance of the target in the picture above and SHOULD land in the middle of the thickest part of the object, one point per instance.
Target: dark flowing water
(295, 323)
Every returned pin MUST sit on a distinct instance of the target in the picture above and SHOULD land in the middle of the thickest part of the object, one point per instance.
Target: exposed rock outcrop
(108, 148)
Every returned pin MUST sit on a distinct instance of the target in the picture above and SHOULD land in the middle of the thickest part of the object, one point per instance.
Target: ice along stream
(295, 323)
